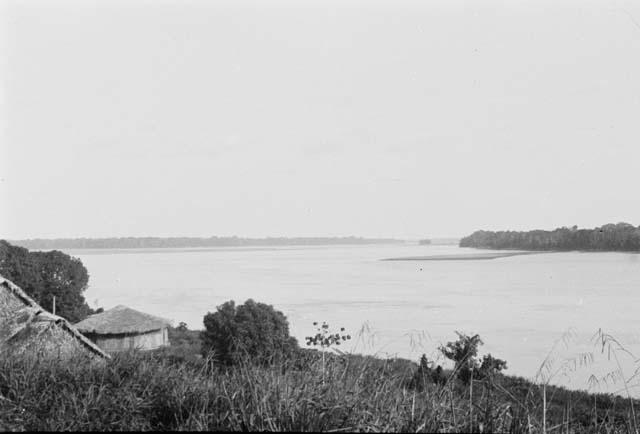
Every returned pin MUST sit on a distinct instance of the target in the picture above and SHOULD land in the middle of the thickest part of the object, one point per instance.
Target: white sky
(432, 118)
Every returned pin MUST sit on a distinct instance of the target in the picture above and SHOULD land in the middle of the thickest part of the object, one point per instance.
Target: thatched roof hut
(28, 329)
(122, 328)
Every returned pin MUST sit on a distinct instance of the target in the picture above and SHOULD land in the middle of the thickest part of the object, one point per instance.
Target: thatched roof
(25, 326)
(119, 320)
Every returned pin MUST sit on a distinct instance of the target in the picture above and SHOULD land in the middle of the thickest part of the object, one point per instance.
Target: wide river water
(527, 309)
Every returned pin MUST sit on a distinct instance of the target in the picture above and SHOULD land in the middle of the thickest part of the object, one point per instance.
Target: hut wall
(125, 342)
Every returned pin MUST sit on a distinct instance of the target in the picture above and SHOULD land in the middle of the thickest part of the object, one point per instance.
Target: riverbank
(192, 242)
(462, 257)
(619, 237)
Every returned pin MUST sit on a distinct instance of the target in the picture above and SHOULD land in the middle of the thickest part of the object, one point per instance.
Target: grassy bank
(176, 390)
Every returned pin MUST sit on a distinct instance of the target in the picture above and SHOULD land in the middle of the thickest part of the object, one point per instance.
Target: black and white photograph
(320, 216)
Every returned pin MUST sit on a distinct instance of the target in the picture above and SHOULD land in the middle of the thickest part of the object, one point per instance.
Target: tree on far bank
(610, 237)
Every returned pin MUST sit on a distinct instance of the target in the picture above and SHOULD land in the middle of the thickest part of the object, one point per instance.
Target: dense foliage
(252, 329)
(610, 237)
(180, 242)
(467, 365)
(45, 275)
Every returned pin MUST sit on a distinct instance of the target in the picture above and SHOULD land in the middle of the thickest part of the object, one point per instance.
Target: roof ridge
(18, 292)
(40, 314)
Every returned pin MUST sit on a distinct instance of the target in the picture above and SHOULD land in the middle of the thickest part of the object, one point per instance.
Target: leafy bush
(252, 329)
(463, 353)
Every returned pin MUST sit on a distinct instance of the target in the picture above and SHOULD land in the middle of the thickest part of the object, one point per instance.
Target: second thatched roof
(121, 320)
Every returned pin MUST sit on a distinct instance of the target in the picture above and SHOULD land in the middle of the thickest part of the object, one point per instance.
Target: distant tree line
(45, 275)
(610, 237)
(179, 242)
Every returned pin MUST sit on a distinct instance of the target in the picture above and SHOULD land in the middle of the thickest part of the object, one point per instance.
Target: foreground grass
(163, 391)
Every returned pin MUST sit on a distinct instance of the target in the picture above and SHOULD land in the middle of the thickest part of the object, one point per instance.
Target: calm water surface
(521, 306)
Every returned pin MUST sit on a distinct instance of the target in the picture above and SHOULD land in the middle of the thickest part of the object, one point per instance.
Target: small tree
(254, 330)
(463, 353)
(326, 339)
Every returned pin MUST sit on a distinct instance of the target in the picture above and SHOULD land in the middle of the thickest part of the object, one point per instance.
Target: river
(527, 309)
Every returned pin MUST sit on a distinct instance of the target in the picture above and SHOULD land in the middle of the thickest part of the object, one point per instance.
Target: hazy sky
(431, 118)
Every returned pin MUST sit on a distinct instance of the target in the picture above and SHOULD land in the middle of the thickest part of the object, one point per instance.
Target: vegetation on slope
(176, 388)
(148, 391)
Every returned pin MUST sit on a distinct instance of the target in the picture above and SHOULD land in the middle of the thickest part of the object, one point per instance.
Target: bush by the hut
(251, 329)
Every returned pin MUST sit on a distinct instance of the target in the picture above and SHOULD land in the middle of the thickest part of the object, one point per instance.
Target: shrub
(463, 353)
(252, 329)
